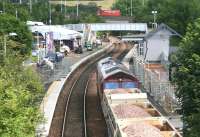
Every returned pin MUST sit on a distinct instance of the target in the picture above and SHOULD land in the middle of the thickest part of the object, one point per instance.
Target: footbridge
(138, 27)
(89, 30)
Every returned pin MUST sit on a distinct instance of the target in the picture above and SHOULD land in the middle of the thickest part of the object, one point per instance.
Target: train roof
(108, 67)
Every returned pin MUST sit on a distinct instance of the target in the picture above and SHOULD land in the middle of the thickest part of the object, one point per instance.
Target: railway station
(103, 68)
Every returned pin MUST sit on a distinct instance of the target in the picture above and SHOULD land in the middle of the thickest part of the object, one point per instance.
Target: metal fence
(163, 92)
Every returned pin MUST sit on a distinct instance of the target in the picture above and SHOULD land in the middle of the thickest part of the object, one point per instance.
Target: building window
(141, 49)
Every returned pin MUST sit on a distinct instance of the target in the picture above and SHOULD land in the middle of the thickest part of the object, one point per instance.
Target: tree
(168, 12)
(125, 8)
(9, 24)
(20, 95)
(187, 78)
(13, 9)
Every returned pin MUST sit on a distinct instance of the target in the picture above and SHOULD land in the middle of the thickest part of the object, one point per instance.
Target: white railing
(110, 27)
(162, 91)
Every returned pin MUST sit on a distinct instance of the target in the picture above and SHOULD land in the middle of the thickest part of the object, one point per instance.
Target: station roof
(162, 27)
(59, 32)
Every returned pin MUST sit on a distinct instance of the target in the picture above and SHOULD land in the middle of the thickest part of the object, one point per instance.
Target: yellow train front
(127, 111)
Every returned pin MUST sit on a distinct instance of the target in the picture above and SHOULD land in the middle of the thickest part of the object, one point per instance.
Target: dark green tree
(177, 14)
(187, 78)
(9, 24)
(19, 11)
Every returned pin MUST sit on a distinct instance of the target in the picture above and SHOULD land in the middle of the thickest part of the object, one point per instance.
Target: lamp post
(5, 41)
(154, 12)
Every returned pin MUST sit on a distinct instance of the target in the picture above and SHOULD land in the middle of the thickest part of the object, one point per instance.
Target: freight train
(127, 110)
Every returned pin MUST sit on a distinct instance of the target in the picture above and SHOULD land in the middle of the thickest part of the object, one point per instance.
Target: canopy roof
(59, 32)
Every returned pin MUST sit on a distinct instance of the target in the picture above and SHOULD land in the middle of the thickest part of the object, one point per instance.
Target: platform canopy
(59, 32)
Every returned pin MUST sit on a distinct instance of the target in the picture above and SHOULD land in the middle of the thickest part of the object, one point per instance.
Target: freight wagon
(127, 111)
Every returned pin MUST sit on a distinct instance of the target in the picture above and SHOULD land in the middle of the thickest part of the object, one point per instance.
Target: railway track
(74, 115)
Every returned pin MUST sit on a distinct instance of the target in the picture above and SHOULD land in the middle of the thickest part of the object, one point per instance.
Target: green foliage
(9, 24)
(177, 14)
(90, 18)
(87, 14)
(169, 12)
(187, 78)
(20, 96)
(40, 12)
(9, 8)
(139, 11)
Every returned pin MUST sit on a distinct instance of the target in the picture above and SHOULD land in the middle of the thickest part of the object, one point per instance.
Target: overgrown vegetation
(20, 95)
(187, 77)
(42, 10)
(21, 91)
(9, 24)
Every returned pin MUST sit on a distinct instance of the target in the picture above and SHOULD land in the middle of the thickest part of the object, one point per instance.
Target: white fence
(163, 92)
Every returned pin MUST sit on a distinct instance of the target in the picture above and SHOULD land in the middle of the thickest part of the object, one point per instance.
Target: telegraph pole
(4, 10)
(49, 13)
(65, 6)
(30, 5)
(77, 9)
(61, 6)
(16, 14)
(131, 8)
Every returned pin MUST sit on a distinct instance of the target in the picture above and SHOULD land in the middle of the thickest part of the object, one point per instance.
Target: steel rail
(84, 109)
(66, 108)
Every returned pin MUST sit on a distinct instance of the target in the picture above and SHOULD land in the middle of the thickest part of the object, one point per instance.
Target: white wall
(158, 44)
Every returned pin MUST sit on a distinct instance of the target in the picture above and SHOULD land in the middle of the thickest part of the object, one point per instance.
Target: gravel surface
(96, 125)
(142, 129)
(129, 111)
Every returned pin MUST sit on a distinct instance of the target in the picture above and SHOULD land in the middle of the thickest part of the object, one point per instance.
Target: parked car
(89, 46)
